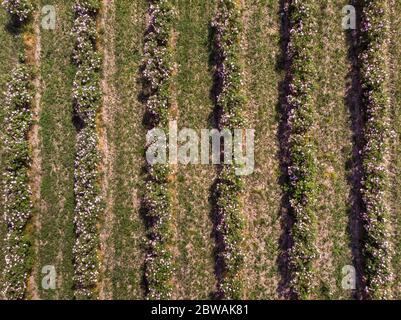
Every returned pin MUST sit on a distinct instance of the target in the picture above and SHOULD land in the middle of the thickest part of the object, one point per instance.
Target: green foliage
(374, 78)
(20, 10)
(302, 165)
(157, 72)
(16, 189)
(87, 100)
(230, 103)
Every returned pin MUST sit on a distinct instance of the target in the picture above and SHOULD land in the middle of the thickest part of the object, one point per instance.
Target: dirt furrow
(108, 152)
(36, 165)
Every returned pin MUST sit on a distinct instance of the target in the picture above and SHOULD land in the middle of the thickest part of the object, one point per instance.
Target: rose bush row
(374, 76)
(20, 10)
(229, 104)
(157, 72)
(17, 204)
(16, 190)
(87, 102)
(302, 164)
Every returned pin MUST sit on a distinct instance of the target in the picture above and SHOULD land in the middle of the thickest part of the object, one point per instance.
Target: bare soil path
(109, 104)
(35, 173)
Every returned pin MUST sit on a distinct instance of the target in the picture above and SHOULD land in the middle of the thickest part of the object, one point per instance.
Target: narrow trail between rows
(35, 143)
(109, 103)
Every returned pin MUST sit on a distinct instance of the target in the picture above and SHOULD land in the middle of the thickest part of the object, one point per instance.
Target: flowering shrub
(230, 102)
(158, 64)
(87, 100)
(375, 100)
(301, 169)
(157, 72)
(19, 9)
(16, 191)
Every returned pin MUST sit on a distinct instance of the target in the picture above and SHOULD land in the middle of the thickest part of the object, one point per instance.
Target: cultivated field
(319, 217)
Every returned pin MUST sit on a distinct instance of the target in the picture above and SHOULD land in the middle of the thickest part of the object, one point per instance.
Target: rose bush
(16, 190)
(375, 101)
(87, 101)
(19, 9)
(229, 104)
(157, 72)
(302, 164)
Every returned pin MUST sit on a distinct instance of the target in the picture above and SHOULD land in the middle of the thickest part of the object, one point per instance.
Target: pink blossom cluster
(158, 65)
(20, 9)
